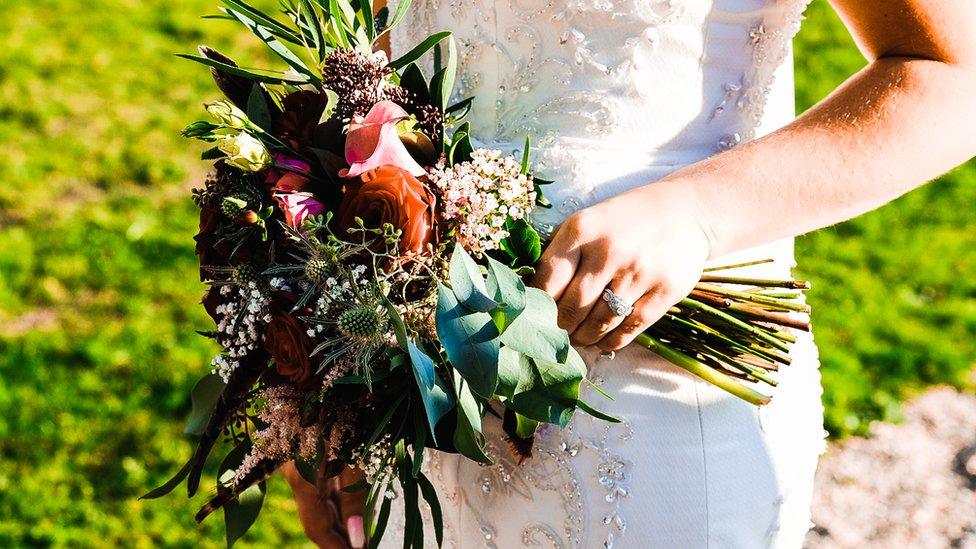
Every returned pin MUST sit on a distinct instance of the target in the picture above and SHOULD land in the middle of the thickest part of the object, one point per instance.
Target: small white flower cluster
(377, 463)
(480, 194)
(253, 305)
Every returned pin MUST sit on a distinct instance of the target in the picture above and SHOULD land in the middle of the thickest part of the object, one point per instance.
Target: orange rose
(286, 341)
(389, 194)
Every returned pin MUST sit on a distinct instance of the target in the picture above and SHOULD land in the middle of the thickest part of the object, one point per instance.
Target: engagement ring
(617, 303)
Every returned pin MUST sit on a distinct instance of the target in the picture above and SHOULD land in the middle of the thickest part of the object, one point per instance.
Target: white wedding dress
(616, 94)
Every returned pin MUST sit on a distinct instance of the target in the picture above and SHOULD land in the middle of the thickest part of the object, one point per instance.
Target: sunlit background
(99, 288)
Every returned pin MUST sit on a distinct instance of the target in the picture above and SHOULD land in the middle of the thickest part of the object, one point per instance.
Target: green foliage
(99, 291)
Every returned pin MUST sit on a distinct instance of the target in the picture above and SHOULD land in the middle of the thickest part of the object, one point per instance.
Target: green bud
(228, 115)
(200, 129)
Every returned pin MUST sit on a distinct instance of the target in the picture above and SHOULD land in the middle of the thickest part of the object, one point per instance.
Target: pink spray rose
(297, 207)
(372, 141)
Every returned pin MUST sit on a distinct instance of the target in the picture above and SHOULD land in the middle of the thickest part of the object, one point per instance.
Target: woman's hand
(648, 246)
(332, 520)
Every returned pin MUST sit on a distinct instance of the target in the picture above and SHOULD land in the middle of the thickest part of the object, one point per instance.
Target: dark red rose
(388, 194)
(288, 343)
(207, 247)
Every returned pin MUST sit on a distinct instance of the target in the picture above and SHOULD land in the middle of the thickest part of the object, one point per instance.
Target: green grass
(98, 288)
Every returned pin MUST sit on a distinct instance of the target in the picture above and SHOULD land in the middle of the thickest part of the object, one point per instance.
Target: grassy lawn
(98, 285)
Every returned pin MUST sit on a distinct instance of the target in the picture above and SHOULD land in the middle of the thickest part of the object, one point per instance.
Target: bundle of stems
(732, 330)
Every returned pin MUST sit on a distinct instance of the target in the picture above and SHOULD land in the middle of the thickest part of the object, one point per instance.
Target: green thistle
(317, 270)
(245, 274)
(232, 206)
(363, 323)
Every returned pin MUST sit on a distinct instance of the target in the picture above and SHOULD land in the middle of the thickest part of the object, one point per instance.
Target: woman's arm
(907, 117)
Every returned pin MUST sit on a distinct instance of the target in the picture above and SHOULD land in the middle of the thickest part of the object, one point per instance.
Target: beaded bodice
(646, 82)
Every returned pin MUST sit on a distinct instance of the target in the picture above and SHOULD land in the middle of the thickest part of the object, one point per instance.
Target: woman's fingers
(648, 310)
(556, 268)
(351, 506)
(583, 292)
(601, 319)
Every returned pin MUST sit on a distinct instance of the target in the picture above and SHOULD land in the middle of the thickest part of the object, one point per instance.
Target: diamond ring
(617, 303)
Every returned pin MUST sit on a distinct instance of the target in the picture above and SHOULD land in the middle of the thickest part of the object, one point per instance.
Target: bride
(695, 97)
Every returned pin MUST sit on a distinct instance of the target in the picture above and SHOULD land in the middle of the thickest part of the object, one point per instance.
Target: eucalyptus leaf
(470, 340)
(597, 413)
(554, 394)
(467, 404)
(525, 427)
(506, 287)
(437, 400)
(523, 242)
(467, 439)
(467, 282)
(535, 332)
(204, 397)
(515, 373)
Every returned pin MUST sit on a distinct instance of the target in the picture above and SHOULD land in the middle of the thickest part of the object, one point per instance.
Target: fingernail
(354, 525)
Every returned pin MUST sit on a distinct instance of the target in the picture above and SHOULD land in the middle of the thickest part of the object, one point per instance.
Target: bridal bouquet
(366, 271)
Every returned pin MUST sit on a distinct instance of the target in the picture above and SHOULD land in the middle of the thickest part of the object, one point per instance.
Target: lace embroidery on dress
(771, 41)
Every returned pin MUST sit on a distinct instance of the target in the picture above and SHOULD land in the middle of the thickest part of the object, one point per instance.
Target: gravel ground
(907, 485)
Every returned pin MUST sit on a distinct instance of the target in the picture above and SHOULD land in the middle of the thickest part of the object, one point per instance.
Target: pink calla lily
(373, 142)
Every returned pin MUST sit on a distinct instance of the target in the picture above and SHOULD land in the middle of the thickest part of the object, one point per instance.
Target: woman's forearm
(893, 126)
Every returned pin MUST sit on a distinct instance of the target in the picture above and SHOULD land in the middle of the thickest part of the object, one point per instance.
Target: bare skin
(906, 118)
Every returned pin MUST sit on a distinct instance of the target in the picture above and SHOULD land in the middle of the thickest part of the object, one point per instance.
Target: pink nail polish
(354, 525)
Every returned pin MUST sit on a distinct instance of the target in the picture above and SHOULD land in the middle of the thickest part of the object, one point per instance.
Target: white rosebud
(245, 152)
